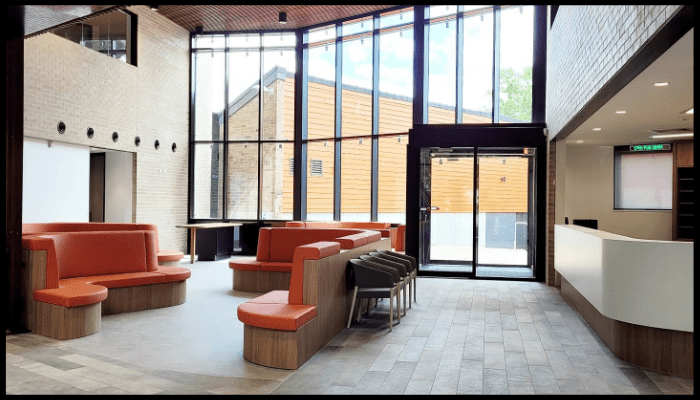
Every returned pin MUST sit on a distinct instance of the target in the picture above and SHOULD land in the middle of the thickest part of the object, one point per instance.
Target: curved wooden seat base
(63, 323)
(280, 349)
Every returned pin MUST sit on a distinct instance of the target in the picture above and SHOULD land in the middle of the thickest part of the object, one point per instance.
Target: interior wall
(118, 186)
(589, 194)
(57, 188)
(64, 81)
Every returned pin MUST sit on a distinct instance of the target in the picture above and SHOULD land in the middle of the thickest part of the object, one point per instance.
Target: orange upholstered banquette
(80, 269)
(383, 227)
(170, 257)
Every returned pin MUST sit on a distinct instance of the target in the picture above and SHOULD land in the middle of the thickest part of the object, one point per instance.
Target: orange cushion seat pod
(72, 295)
(285, 317)
(282, 309)
(245, 264)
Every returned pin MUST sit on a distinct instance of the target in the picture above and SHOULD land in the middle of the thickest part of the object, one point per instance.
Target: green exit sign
(650, 147)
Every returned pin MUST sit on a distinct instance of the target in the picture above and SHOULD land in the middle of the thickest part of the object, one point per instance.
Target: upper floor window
(112, 34)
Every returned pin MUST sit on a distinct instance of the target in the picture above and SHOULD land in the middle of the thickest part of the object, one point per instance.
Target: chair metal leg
(398, 306)
(404, 296)
(415, 296)
(352, 305)
(391, 310)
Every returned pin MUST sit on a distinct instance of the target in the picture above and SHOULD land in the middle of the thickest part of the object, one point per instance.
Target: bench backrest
(54, 227)
(338, 224)
(313, 251)
(278, 244)
(77, 254)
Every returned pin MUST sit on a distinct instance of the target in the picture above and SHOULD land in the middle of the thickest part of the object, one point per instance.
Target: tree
(516, 94)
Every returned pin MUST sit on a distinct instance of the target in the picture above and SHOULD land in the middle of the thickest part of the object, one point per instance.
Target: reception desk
(636, 294)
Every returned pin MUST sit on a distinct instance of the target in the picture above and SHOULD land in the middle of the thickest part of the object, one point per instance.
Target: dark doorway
(97, 187)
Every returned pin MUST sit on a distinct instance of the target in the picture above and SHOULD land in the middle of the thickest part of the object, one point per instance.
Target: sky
(396, 58)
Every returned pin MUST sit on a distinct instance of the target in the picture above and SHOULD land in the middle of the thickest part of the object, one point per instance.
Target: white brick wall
(586, 46)
(64, 81)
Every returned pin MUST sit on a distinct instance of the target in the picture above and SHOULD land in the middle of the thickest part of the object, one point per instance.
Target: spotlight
(154, 8)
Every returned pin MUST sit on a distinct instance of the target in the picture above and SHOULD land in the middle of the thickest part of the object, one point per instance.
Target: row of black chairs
(383, 274)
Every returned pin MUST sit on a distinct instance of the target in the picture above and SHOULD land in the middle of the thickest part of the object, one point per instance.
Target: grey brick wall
(64, 81)
(586, 46)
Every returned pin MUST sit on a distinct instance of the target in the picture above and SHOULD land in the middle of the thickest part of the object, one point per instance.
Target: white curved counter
(641, 282)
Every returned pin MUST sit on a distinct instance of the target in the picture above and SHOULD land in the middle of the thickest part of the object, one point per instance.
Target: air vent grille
(673, 130)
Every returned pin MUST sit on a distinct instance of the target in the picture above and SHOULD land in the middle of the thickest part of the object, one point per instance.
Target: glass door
(505, 212)
(477, 212)
(447, 210)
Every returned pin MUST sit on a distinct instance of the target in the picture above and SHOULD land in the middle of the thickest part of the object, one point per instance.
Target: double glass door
(477, 211)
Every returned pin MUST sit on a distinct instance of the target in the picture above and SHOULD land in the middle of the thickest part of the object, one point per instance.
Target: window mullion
(496, 64)
(374, 192)
(460, 67)
(337, 120)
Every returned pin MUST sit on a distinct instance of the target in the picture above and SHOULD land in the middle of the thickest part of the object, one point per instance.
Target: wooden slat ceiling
(238, 18)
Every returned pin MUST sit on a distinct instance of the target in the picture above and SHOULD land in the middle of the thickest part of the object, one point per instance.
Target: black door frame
(477, 135)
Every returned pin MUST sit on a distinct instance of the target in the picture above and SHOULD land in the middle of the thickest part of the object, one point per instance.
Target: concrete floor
(462, 336)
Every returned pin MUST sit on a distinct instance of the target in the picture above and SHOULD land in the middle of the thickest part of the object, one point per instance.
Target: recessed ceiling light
(673, 135)
(579, 141)
(621, 112)
(689, 111)
(661, 84)
(597, 129)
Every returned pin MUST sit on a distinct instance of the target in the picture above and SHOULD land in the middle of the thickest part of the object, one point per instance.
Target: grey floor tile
(445, 382)
(419, 386)
(370, 382)
(543, 380)
(520, 387)
(471, 378)
(494, 356)
(495, 381)
(594, 383)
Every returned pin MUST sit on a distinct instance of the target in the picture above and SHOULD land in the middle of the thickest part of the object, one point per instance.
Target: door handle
(429, 208)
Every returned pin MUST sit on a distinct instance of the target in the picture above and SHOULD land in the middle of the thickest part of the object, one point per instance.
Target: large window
(243, 140)
(643, 180)
(359, 96)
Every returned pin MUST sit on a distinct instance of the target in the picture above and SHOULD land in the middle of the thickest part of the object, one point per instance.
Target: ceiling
(647, 107)
(34, 19)
(218, 18)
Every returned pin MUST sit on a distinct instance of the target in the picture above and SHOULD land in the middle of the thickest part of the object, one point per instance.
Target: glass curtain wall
(359, 95)
(243, 142)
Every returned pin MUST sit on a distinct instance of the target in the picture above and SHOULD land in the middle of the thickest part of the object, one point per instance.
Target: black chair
(399, 267)
(414, 269)
(408, 267)
(395, 273)
(374, 282)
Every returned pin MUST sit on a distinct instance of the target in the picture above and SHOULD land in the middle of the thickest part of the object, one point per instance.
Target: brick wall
(66, 82)
(586, 46)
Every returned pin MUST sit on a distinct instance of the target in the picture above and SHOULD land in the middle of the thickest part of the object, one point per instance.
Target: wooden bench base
(260, 281)
(280, 349)
(63, 323)
(175, 263)
(144, 297)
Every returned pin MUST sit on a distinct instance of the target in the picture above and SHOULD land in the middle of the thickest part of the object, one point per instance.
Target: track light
(283, 17)
(154, 8)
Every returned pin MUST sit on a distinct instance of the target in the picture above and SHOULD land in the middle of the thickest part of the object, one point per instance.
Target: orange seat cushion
(170, 255)
(245, 264)
(283, 317)
(271, 266)
(72, 295)
(118, 280)
(174, 274)
(273, 297)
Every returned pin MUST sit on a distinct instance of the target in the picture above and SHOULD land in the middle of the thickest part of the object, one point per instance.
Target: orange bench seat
(74, 295)
(284, 317)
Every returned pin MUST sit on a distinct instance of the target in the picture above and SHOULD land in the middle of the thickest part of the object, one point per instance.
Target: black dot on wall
(174, 147)
(137, 141)
(90, 133)
(157, 144)
(115, 136)
(61, 127)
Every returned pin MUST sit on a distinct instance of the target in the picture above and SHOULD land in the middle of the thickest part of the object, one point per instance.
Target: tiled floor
(463, 336)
